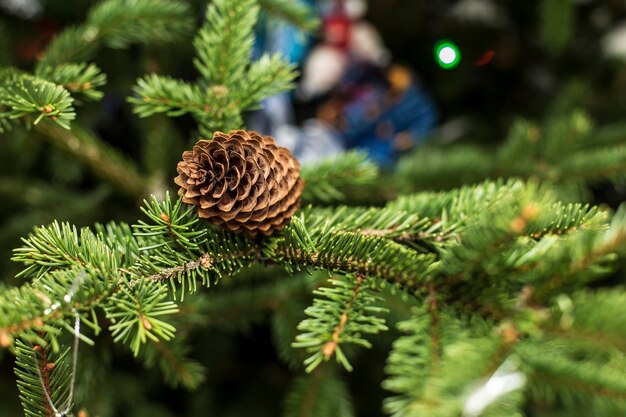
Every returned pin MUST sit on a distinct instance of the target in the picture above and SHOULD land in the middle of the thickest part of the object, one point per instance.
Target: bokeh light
(447, 54)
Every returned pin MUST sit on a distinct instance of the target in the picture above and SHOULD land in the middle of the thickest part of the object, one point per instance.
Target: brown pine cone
(242, 181)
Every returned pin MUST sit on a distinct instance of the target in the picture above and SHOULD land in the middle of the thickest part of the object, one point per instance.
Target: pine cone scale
(242, 181)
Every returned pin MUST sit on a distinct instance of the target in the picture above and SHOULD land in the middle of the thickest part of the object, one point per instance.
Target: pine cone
(242, 181)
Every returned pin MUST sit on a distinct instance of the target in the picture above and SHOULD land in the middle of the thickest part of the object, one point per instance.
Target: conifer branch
(235, 308)
(81, 79)
(45, 368)
(205, 261)
(319, 394)
(178, 369)
(104, 161)
(161, 94)
(117, 24)
(602, 246)
(224, 43)
(435, 342)
(230, 84)
(404, 274)
(339, 316)
(580, 386)
(328, 180)
(329, 347)
(564, 151)
(24, 96)
(296, 13)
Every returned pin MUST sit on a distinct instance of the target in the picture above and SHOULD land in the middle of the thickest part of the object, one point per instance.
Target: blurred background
(388, 77)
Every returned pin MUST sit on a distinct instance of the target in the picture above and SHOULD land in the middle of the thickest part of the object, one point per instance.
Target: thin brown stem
(353, 264)
(331, 345)
(45, 369)
(167, 274)
(308, 402)
(582, 264)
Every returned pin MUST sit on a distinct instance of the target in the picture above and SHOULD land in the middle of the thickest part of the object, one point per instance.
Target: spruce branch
(174, 362)
(118, 24)
(351, 252)
(161, 94)
(239, 306)
(229, 82)
(328, 180)
(79, 79)
(23, 95)
(168, 274)
(455, 343)
(563, 151)
(580, 378)
(593, 319)
(321, 393)
(43, 379)
(339, 316)
(134, 313)
(467, 361)
(435, 342)
(398, 225)
(103, 160)
(294, 12)
(224, 43)
(266, 77)
(599, 248)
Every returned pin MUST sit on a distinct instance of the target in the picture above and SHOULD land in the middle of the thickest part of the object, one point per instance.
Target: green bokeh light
(447, 54)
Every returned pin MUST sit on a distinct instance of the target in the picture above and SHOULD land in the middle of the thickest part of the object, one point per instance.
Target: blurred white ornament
(314, 142)
(614, 42)
(356, 9)
(479, 11)
(505, 380)
(322, 71)
(27, 9)
(366, 44)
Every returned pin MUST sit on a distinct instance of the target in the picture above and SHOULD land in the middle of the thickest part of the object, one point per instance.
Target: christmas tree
(497, 298)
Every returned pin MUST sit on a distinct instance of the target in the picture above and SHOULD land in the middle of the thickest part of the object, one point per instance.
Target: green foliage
(80, 79)
(43, 379)
(438, 363)
(61, 246)
(513, 242)
(353, 310)
(224, 43)
(491, 280)
(566, 151)
(162, 94)
(23, 95)
(118, 24)
(174, 362)
(318, 394)
(229, 83)
(134, 315)
(62, 73)
(297, 13)
(328, 180)
(574, 378)
(558, 22)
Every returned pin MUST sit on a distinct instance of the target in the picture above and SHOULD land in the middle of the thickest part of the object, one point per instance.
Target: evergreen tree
(491, 294)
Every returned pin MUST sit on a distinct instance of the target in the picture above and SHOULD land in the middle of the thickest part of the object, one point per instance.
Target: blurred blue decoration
(313, 142)
(385, 113)
(275, 35)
